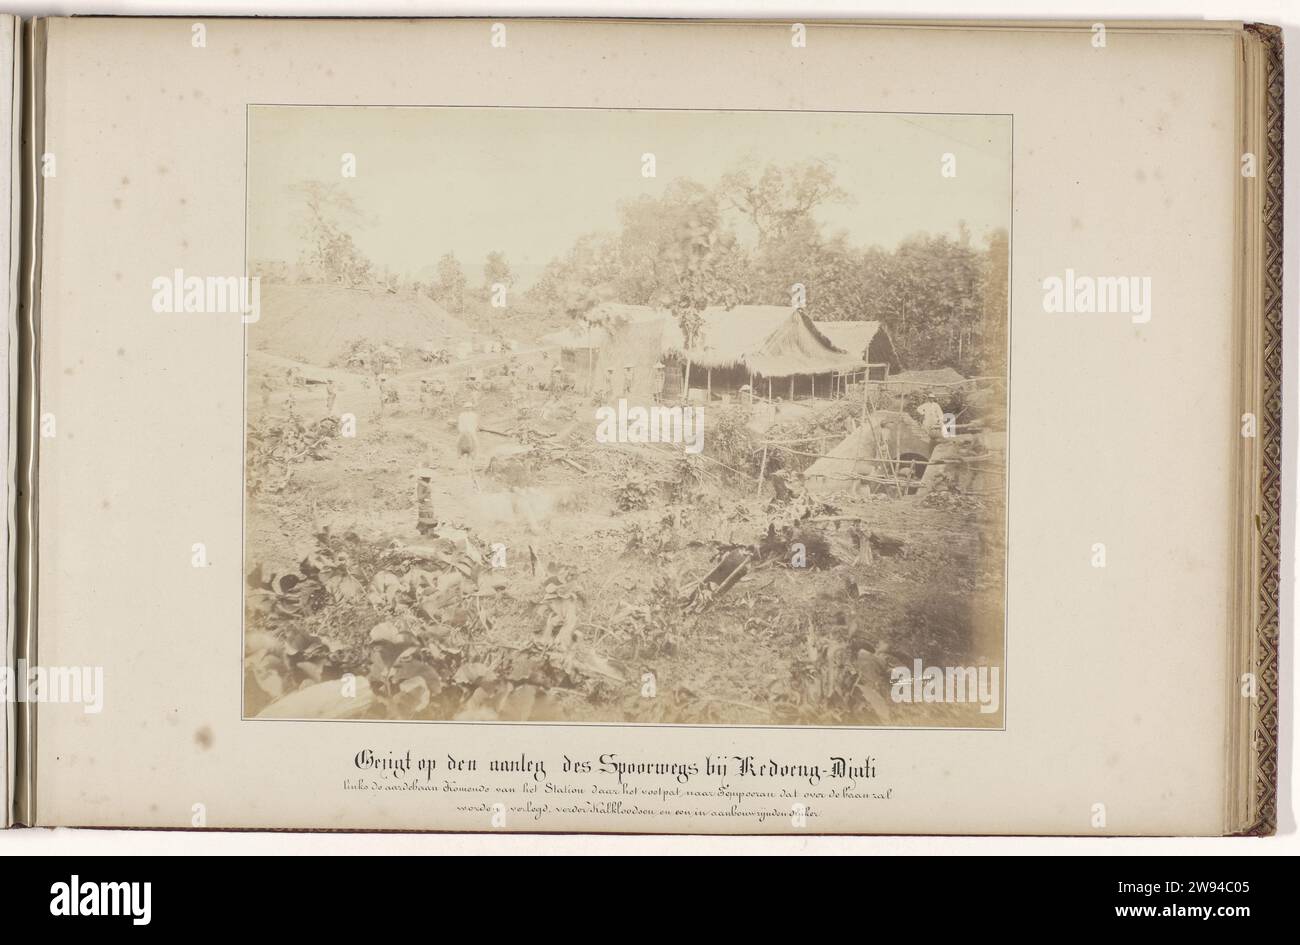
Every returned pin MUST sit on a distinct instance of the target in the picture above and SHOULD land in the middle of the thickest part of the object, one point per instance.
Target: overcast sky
(528, 182)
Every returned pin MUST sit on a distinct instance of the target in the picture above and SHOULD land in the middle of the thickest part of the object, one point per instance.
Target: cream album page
(643, 426)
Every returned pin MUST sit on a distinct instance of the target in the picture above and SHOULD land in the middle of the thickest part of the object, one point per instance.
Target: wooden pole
(898, 441)
(591, 381)
(762, 470)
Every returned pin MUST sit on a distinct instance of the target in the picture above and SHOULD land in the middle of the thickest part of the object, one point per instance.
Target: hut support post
(898, 442)
(591, 367)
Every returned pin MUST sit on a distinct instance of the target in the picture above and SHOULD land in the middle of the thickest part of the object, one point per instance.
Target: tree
(991, 345)
(676, 252)
(943, 299)
(779, 199)
(329, 215)
(585, 275)
(496, 271)
(780, 204)
(451, 283)
(927, 292)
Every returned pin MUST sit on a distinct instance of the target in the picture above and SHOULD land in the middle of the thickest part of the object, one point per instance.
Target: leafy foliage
(275, 448)
(329, 216)
(757, 233)
(427, 654)
(635, 494)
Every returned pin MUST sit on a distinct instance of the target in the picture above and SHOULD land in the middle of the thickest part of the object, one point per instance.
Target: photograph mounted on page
(634, 416)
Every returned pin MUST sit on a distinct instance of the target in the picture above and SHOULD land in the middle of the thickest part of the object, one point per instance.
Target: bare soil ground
(597, 610)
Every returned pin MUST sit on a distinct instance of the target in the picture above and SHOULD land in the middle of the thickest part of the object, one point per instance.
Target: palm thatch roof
(578, 336)
(771, 340)
(603, 321)
(869, 339)
(936, 377)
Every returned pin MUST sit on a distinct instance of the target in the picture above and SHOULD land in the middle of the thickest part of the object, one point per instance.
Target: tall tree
(778, 199)
(571, 284)
(676, 252)
(496, 271)
(329, 216)
(451, 283)
(991, 344)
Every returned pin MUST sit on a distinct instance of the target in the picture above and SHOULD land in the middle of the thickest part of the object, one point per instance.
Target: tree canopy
(756, 236)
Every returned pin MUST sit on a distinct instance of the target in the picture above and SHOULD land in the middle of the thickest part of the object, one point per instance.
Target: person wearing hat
(931, 415)
(467, 439)
(659, 382)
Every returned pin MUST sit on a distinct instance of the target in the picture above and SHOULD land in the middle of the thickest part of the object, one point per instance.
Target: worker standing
(331, 393)
(931, 415)
(467, 439)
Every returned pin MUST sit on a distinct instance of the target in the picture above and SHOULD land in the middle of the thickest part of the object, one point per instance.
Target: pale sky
(528, 182)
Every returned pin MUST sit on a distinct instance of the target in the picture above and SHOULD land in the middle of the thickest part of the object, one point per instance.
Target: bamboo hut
(869, 340)
(778, 351)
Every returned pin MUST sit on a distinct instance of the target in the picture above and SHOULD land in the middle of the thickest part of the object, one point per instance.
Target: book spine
(1253, 715)
(28, 407)
(11, 32)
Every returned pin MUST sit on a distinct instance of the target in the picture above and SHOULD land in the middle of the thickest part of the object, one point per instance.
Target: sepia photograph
(592, 415)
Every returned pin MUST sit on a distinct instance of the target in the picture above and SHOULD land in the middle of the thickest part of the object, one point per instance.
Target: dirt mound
(317, 323)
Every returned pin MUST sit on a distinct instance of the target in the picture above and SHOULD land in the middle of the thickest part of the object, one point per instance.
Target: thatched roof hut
(770, 340)
(870, 340)
(734, 347)
(612, 335)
